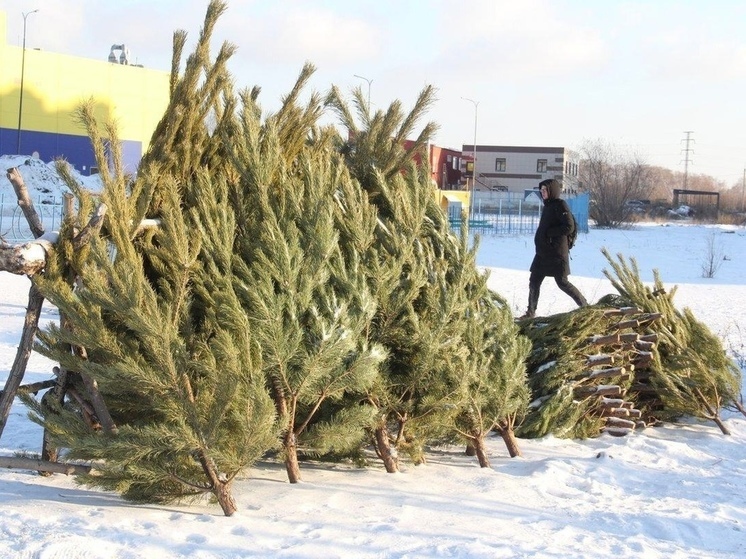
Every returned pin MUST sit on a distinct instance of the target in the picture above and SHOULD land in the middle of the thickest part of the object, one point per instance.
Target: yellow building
(40, 91)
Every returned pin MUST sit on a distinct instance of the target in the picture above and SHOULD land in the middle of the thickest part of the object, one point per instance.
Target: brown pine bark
(18, 369)
(384, 450)
(291, 456)
(712, 412)
(480, 449)
(511, 442)
(42, 465)
(225, 498)
(221, 488)
(24, 201)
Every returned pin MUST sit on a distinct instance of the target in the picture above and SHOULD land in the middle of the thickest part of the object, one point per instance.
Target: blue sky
(637, 74)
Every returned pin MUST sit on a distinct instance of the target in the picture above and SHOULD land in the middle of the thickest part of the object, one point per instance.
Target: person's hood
(554, 189)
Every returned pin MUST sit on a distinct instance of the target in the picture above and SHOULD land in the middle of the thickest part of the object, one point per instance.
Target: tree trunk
(291, 457)
(225, 498)
(481, 452)
(220, 488)
(712, 412)
(719, 423)
(384, 450)
(30, 325)
(511, 442)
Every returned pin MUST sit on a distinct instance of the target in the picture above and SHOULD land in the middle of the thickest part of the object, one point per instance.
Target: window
(500, 164)
(541, 165)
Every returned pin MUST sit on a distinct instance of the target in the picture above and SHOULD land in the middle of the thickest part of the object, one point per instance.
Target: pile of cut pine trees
(631, 360)
(586, 382)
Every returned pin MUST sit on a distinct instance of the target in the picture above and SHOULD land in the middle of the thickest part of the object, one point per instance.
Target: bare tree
(613, 177)
(714, 256)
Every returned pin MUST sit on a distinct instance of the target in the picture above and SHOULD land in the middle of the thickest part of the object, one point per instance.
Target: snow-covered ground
(673, 492)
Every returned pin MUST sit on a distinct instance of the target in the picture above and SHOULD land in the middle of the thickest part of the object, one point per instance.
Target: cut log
(631, 323)
(629, 337)
(614, 412)
(642, 345)
(643, 356)
(620, 422)
(610, 372)
(20, 463)
(621, 412)
(601, 359)
(607, 339)
(600, 390)
(29, 258)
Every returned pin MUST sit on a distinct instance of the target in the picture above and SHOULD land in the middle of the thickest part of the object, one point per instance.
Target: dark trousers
(534, 288)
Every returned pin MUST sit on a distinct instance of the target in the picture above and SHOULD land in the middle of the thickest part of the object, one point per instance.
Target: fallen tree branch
(24, 201)
(18, 369)
(19, 463)
(29, 258)
(34, 387)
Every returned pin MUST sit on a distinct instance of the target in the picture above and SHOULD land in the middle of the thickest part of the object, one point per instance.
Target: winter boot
(577, 296)
(533, 301)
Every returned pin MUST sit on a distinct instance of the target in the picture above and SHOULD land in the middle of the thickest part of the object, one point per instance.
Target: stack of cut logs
(622, 363)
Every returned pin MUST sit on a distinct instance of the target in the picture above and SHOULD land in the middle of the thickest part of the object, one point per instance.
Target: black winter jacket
(552, 253)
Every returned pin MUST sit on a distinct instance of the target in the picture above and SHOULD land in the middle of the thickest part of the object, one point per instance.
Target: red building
(446, 166)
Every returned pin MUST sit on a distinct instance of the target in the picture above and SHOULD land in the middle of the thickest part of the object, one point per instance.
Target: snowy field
(673, 492)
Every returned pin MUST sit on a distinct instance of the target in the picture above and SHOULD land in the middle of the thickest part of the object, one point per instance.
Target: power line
(688, 140)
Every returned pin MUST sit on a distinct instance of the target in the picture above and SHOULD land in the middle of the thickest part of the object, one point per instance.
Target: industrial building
(41, 91)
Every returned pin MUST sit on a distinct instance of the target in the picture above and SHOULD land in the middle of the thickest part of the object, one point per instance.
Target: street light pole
(23, 69)
(474, 172)
(369, 82)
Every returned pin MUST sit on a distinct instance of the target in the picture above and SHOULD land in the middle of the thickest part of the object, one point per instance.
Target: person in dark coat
(552, 252)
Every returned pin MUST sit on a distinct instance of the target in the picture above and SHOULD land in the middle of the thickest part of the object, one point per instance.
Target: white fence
(495, 214)
(509, 213)
(13, 225)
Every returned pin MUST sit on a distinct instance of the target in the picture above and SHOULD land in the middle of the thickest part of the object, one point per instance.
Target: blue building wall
(579, 208)
(75, 149)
